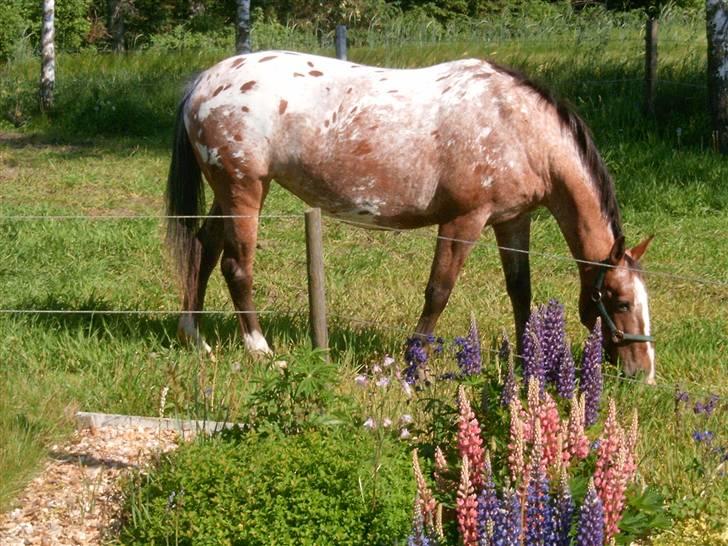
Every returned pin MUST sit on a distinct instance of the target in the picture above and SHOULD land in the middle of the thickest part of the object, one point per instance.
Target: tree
(716, 12)
(48, 56)
(242, 41)
(116, 23)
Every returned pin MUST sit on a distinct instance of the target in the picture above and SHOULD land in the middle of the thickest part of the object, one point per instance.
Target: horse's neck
(575, 205)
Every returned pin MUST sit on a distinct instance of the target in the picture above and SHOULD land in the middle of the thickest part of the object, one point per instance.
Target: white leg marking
(643, 305)
(189, 333)
(256, 343)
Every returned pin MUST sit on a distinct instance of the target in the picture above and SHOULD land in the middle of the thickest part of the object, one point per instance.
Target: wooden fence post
(316, 283)
(650, 65)
(341, 42)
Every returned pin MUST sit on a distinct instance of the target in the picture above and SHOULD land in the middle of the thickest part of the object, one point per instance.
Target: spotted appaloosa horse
(463, 145)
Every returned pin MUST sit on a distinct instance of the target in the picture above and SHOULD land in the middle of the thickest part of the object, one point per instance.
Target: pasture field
(106, 152)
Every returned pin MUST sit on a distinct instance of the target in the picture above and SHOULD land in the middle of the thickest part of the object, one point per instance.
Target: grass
(105, 151)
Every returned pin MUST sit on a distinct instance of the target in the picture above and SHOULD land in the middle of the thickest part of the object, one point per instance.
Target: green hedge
(312, 488)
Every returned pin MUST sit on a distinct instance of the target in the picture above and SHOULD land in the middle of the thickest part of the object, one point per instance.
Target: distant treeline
(87, 23)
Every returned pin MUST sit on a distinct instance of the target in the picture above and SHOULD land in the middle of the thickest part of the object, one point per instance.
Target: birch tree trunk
(716, 12)
(116, 24)
(242, 41)
(48, 56)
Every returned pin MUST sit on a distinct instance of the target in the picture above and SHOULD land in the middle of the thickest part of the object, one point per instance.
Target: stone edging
(86, 420)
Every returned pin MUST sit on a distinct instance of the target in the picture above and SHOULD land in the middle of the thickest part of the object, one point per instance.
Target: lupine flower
(510, 386)
(550, 430)
(563, 511)
(470, 443)
(441, 470)
(387, 422)
(488, 504)
(706, 407)
(404, 434)
(415, 355)
(531, 353)
(552, 338)
(467, 507)
(539, 516)
(507, 531)
(703, 436)
(370, 423)
(504, 351)
(681, 396)
(382, 382)
(419, 534)
(516, 461)
(361, 380)
(406, 419)
(577, 443)
(591, 375)
(591, 520)
(388, 361)
(424, 494)
(566, 374)
(631, 438)
(468, 354)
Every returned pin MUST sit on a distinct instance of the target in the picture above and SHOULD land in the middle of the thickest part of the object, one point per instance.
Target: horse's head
(617, 295)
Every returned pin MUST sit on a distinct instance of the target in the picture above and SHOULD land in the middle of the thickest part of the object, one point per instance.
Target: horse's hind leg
(513, 239)
(204, 255)
(454, 243)
(241, 234)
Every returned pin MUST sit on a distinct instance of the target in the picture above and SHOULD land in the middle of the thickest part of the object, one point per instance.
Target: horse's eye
(623, 306)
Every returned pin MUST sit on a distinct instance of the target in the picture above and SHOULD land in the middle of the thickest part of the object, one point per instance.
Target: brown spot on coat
(217, 91)
(316, 73)
(392, 91)
(446, 89)
(348, 90)
(310, 64)
(326, 123)
(268, 58)
(282, 106)
(333, 118)
(362, 148)
(481, 75)
(228, 86)
(247, 86)
(245, 109)
(237, 63)
(442, 78)
(298, 75)
(237, 137)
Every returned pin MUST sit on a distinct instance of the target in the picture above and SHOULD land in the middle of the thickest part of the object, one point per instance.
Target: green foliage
(293, 396)
(311, 488)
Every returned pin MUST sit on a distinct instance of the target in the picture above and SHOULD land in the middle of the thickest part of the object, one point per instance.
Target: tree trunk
(716, 12)
(48, 56)
(242, 41)
(116, 24)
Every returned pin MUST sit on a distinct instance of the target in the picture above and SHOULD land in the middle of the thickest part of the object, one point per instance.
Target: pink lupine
(614, 495)
(577, 444)
(534, 406)
(470, 443)
(516, 445)
(441, 471)
(467, 507)
(550, 430)
(631, 444)
(426, 500)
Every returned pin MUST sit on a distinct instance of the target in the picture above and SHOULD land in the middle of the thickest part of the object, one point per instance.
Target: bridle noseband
(618, 336)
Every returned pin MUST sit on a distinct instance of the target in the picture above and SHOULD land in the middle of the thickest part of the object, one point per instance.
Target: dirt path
(75, 499)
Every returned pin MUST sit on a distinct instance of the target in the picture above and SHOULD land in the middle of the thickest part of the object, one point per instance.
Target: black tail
(185, 199)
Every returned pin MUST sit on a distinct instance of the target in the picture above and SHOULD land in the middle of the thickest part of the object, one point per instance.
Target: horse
(461, 145)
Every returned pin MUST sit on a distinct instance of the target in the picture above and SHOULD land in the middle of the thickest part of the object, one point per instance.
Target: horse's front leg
(513, 239)
(241, 233)
(454, 243)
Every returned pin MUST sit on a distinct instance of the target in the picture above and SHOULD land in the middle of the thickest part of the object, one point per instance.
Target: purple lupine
(504, 351)
(539, 513)
(507, 531)
(590, 382)
(468, 354)
(419, 535)
(488, 503)
(553, 334)
(591, 519)
(566, 374)
(532, 355)
(510, 386)
(415, 355)
(708, 406)
(563, 512)
(703, 436)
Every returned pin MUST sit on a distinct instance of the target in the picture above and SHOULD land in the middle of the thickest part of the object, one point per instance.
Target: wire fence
(695, 389)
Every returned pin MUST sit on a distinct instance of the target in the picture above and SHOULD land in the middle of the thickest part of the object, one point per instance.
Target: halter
(618, 336)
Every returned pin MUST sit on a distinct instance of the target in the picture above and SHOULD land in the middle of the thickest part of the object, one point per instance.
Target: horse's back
(397, 147)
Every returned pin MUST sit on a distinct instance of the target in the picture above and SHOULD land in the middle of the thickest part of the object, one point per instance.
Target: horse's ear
(617, 253)
(638, 251)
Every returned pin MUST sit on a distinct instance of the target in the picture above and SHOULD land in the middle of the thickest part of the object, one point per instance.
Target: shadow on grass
(97, 318)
